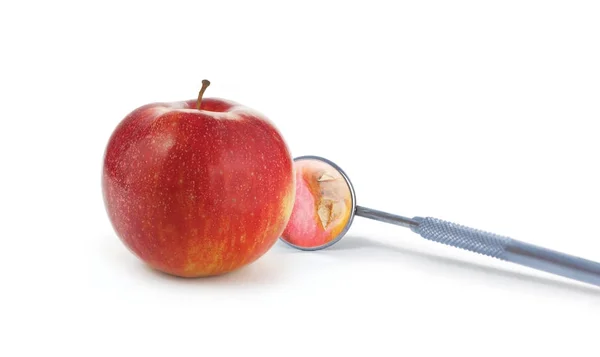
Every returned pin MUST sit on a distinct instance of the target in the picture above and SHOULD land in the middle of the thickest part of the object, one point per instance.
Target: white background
(483, 113)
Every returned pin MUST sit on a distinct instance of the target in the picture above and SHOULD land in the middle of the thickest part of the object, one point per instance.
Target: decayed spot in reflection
(322, 207)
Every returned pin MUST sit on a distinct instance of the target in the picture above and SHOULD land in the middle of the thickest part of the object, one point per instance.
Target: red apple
(198, 187)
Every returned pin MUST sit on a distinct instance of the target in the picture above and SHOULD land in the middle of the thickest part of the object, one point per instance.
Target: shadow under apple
(272, 268)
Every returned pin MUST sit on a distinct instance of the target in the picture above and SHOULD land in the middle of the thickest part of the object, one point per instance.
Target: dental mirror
(325, 207)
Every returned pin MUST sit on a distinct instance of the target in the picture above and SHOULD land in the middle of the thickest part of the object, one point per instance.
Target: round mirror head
(324, 205)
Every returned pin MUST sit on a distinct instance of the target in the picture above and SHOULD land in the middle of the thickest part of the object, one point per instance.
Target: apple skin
(197, 192)
(322, 206)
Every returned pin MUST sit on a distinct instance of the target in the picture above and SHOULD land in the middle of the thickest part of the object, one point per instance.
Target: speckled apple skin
(323, 205)
(197, 192)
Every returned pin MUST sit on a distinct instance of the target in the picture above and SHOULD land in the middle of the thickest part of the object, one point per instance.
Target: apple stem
(205, 84)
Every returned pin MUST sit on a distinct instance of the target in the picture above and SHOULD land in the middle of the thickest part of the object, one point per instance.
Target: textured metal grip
(463, 237)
